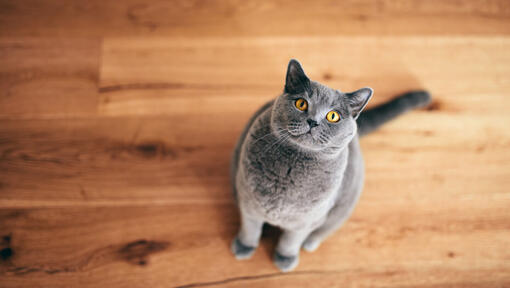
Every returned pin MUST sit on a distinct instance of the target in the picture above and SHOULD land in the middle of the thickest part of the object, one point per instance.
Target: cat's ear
(358, 100)
(296, 80)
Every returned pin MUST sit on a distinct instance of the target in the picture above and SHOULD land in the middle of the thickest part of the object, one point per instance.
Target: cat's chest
(286, 184)
(284, 171)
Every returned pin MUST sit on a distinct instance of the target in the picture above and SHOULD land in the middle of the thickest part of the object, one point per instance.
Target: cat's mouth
(310, 135)
(296, 134)
(305, 136)
(297, 131)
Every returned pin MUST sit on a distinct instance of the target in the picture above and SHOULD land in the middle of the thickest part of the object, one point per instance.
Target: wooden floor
(117, 121)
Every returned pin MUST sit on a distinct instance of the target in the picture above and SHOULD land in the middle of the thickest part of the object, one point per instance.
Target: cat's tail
(373, 118)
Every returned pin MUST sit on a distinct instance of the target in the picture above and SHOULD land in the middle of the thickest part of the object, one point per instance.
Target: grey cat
(298, 164)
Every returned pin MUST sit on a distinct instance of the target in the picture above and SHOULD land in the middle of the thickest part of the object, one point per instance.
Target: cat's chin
(307, 142)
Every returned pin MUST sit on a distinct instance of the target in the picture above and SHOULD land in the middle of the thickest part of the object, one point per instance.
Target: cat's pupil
(301, 103)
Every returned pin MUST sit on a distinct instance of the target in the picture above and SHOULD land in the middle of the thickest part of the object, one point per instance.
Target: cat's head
(314, 116)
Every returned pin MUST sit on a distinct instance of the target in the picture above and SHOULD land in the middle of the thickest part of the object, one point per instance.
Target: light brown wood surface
(118, 119)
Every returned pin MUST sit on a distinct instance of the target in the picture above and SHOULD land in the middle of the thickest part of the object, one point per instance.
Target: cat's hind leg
(335, 219)
(247, 239)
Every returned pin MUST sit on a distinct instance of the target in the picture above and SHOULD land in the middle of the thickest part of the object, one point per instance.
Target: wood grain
(225, 74)
(160, 246)
(165, 159)
(135, 160)
(253, 18)
(118, 119)
(48, 77)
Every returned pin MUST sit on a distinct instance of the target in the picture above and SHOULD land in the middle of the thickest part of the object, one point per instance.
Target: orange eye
(333, 116)
(301, 104)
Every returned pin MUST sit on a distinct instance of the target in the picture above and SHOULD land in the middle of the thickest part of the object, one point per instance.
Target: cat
(298, 163)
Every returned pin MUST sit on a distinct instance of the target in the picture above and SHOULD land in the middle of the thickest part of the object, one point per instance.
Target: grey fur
(305, 180)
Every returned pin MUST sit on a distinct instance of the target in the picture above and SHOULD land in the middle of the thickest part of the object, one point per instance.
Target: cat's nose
(312, 123)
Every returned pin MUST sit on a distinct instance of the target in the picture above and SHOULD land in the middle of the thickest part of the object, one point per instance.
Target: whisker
(278, 141)
(266, 135)
(274, 143)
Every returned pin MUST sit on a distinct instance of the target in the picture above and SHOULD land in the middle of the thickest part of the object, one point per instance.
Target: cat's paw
(311, 244)
(241, 251)
(285, 263)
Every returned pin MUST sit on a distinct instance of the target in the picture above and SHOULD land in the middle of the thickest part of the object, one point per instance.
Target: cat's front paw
(241, 251)
(285, 263)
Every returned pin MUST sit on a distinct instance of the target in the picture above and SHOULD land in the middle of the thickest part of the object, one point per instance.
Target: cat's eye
(301, 104)
(333, 116)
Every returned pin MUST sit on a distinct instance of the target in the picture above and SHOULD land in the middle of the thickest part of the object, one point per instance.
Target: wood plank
(252, 18)
(150, 160)
(390, 243)
(48, 77)
(112, 160)
(147, 76)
